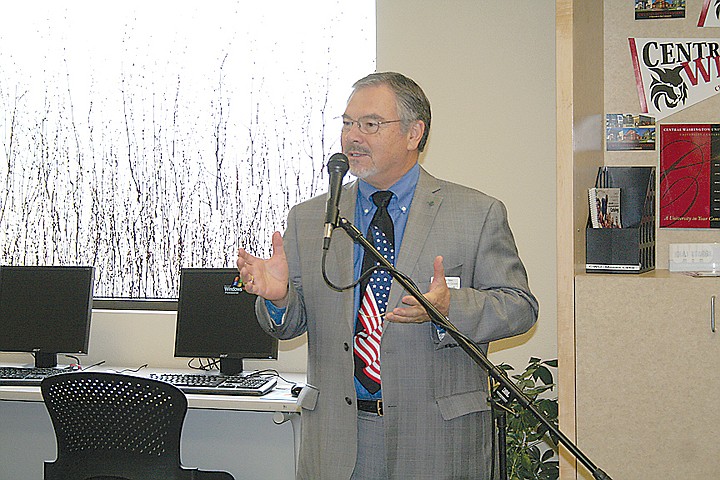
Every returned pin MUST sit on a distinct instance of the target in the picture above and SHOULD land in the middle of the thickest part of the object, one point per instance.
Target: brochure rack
(630, 249)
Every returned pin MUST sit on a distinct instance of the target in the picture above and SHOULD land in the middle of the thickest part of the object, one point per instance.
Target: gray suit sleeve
(294, 321)
(498, 303)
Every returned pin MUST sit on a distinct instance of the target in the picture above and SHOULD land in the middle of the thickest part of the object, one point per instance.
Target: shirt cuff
(440, 332)
(277, 314)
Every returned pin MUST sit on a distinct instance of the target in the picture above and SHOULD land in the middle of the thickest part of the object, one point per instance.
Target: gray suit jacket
(435, 396)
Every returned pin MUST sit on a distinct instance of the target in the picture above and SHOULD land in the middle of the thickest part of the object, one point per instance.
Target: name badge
(452, 282)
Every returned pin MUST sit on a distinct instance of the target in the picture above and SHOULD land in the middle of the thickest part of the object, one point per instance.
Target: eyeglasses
(366, 125)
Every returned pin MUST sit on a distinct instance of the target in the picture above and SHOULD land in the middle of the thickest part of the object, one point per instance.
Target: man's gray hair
(412, 104)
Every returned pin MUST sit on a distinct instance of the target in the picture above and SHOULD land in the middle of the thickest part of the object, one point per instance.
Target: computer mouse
(295, 390)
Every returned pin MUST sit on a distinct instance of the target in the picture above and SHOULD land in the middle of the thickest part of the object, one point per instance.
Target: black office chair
(113, 426)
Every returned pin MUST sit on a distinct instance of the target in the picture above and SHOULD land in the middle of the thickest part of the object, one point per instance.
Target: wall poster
(689, 191)
(657, 9)
(628, 131)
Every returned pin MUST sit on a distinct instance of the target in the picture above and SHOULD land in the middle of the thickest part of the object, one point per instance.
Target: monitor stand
(231, 366)
(45, 360)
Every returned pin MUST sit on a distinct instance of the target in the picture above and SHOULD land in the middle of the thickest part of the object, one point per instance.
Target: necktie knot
(382, 198)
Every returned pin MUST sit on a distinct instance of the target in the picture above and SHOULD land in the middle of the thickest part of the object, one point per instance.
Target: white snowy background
(141, 137)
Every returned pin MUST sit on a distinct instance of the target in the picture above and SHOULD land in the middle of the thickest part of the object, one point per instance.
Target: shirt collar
(403, 191)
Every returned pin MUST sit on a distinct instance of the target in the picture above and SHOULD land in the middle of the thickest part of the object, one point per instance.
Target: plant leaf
(544, 374)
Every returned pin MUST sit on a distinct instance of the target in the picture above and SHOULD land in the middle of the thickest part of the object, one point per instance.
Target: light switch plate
(694, 257)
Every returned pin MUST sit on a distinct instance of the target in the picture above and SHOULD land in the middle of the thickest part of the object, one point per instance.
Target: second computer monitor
(216, 319)
(45, 310)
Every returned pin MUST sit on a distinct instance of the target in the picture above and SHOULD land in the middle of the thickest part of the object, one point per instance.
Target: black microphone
(337, 168)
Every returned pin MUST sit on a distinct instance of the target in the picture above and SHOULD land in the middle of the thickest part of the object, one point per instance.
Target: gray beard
(363, 173)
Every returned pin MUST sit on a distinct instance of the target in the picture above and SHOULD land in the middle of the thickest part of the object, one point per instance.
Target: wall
(579, 36)
(489, 70)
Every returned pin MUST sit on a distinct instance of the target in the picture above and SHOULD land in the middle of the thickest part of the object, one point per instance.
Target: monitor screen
(216, 319)
(45, 310)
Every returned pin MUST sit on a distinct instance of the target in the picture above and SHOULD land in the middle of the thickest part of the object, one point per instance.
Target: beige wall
(488, 68)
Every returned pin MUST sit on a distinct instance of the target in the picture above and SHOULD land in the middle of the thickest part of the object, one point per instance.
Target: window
(143, 137)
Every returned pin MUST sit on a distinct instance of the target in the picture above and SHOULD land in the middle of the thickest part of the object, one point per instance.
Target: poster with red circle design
(689, 183)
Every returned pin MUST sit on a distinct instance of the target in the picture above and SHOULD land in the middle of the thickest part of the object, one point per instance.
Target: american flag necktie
(376, 291)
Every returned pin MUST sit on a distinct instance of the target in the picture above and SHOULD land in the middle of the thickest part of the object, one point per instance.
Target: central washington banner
(673, 74)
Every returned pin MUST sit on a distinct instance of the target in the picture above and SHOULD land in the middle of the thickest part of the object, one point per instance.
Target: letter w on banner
(673, 74)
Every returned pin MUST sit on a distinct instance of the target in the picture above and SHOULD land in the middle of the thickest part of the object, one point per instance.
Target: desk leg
(281, 417)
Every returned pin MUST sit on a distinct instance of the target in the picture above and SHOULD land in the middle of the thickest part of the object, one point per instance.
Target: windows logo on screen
(235, 287)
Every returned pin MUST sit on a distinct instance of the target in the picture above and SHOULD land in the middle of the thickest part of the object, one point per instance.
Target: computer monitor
(216, 319)
(45, 310)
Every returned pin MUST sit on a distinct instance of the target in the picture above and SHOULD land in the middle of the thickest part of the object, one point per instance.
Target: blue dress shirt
(398, 208)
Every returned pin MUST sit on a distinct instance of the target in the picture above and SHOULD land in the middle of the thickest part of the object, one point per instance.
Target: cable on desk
(271, 372)
(77, 359)
(131, 370)
(212, 364)
(93, 365)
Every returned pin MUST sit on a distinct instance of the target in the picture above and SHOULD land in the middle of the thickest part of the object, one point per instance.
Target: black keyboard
(219, 384)
(26, 376)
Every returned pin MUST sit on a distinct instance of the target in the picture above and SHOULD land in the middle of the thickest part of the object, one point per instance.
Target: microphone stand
(507, 389)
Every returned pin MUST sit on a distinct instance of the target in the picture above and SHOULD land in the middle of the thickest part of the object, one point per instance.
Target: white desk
(250, 437)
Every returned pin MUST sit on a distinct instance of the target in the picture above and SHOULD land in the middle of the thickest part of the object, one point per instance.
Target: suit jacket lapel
(423, 210)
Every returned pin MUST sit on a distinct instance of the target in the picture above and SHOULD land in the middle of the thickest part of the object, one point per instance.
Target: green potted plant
(531, 449)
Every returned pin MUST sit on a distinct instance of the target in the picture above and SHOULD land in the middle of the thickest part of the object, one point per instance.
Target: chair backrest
(114, 425)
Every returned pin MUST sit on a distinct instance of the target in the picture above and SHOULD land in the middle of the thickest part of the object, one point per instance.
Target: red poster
(689, 176)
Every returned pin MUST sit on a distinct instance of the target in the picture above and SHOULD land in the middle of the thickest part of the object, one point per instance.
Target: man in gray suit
(420, 409)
